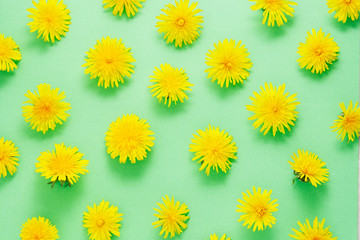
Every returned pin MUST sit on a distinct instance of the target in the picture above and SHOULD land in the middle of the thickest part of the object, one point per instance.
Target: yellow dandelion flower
(170, 84)
(213, 149)
(51, 19)
(215, 237)
(110, 61)
(228, 63)
(172, 217)
(315, 232)
(64, 164)
(273, 109)
(38, 229)
(9, 53)
(318, 52)
(102, 221)
(348, 123)
(274, 10)
(309, 168)
(257, 209)
(8, 157)
(129, 137)
(130, 6)
(47, 108)
(179, 23)
(344, 9)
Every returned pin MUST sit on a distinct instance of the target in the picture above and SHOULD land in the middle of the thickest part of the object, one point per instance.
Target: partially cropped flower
(215, 237)
(130, 6)
(257, 209)
(213, 149)
(344, 9)
(273, 109)
(64, 165)
(8, 157)
(180, 23)
(51, 19)
(309, 168)
(9, 53)
(275, 11)
(170, 84)
(348, 123)
(130, 138)
(172, 217)
(110, 61)
(315, 232)
(228, 63)
(318, 52)
(46, 109)
(102, 221)
(38, 229)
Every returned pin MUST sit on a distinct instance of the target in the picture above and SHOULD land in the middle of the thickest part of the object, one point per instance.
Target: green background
(135, 189)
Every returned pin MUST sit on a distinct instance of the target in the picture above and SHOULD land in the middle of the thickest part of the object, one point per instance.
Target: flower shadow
(279, 137)
(64, 198)
(214, 178)
(161, 108)
(267, 234)
(273, 32)
(128, 171)
(306, 73)
(225, 92)
(9, 178)
(91, 84)
(310, 197)
(39, 44)
(349, 24)
(6, 76)
(345, 145)
(34, 134)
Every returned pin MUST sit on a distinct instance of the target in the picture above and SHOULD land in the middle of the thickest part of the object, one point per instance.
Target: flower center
(108, 60)
(100, 222)
(349, 120)
(49, 19)
(347, 1)
(260, 211)
(180, 22)
(318, 51)
(171, 216)
(45, 107)
(275, 109)
(228, 65)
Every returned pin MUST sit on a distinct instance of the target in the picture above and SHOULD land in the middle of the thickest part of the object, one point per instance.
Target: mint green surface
(135, 189)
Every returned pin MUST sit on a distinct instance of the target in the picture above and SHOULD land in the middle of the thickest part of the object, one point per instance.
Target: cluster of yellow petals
(257, 209)
(130, 6)
(51, 19)
(102, 221)
(169, 84)
(172, 217)
(180, 23)
(275, 11)
(9, 53)
(344, 9)
(318, 52)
